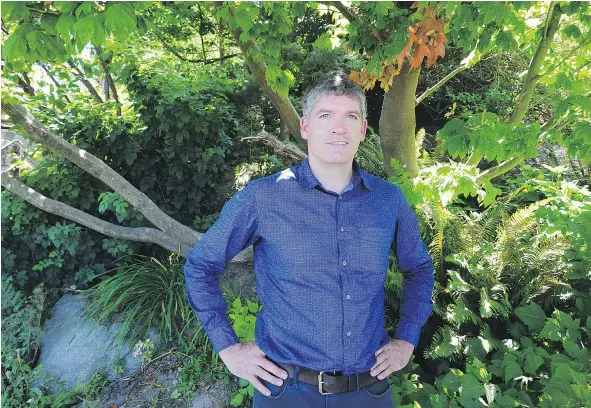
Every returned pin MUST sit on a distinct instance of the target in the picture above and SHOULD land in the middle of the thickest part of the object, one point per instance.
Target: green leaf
(15, 10)
(572, 31)
(561, 327)
(532, 315)
(85, 7)
(244, 15)
(505, 41)
(512, 370)
(237, 400)
(120, 21)
(65, 7)
(455, 137)
(65, 26)
(323, 41)
(532, 363)
(237, 304)
(471, 387)
(14, 47)
(32, 39)
(84, 30)
(252, 307)
(48, 23)
(552, 331)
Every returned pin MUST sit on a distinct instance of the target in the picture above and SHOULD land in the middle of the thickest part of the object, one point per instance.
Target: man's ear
(304, 127)
(363, 130)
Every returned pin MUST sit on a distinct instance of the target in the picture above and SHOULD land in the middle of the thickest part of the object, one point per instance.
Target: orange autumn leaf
(364, 79)
(427, 37)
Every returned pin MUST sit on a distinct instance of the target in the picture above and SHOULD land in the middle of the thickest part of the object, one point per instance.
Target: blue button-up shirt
(320, 263)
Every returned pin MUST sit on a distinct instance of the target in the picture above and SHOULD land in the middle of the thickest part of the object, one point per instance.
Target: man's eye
(325, 115)
(352, 117)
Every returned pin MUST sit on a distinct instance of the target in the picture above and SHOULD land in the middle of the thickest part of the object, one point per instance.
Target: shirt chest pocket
(370, 253)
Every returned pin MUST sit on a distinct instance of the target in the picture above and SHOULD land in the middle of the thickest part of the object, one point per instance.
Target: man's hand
(246, 360)
(392, 357)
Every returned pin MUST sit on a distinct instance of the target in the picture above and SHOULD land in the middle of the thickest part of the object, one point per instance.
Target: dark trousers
(298, 394)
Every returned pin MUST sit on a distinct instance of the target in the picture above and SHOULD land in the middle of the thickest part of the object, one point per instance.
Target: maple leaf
(427, 37)
(421, 51)
(364, 79)
(389, 71)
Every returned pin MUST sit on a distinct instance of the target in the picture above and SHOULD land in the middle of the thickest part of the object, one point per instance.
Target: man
(321, 233)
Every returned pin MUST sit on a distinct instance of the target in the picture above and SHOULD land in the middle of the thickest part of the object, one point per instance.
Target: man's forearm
(206, 299)
(415, 302)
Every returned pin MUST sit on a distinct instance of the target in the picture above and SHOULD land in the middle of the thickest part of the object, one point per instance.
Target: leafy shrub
(243, 318)
(544, 363)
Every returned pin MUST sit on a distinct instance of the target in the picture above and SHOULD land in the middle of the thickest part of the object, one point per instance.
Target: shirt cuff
(222, 338)
(408, 332)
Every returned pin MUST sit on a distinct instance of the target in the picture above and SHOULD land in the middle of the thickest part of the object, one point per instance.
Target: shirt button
(340, 197)
(348, 334)
(344, 263)
(348, 297)
(342, 229)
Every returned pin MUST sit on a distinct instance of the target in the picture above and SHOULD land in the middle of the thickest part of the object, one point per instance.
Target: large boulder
(73, 350)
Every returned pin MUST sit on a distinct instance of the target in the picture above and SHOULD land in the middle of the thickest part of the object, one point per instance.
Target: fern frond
(445, 344)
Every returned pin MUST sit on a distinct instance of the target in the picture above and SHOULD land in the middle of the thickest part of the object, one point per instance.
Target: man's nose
(338, 127)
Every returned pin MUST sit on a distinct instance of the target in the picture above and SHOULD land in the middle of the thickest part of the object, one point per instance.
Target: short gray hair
(335, 83)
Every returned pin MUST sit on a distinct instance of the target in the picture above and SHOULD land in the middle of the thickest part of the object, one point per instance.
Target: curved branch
(258, 68)
(286, 110)
(85, 81)
(195, 61)
(499, 170)
(466, 63)
(344, 10)
(284, 151)
(141, 234)
(532, 76)
(108, 76)
(96, 167)
(57, 84)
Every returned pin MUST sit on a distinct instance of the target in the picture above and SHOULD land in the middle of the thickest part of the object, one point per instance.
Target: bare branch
(108, 77)
(468, 62)
(195, 61)
(500, 169)
(85, 81)
(25, 84)
(289, 153)
(185, 236)
(344, 10)
(54, 81)
(140, 234)
(532, 76)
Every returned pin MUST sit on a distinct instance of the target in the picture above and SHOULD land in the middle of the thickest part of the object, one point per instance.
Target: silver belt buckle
(320, 382)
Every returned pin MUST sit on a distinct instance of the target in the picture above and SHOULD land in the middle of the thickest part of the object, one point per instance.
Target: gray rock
(214, 395)
(73, 350)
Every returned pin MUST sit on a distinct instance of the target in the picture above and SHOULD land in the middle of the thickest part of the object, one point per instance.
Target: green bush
(545, 362)
(143, 293)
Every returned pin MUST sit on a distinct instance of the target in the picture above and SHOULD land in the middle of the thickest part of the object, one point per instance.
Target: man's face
(334, 129)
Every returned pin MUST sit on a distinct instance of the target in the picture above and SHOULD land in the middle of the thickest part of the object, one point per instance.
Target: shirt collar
(308, 180)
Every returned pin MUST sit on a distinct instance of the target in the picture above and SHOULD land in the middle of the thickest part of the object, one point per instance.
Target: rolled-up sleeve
(235, 229)
(417, 269)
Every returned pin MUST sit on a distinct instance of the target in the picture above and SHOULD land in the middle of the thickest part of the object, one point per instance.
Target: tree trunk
(287, 112)
(397, 122)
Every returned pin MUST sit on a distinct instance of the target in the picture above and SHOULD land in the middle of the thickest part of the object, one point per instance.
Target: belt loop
(357, 381)
(296, 375)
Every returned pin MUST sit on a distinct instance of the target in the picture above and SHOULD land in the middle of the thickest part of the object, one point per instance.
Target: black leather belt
(330, 382)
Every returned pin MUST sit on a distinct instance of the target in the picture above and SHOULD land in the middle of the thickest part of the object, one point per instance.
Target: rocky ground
(73, 350)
